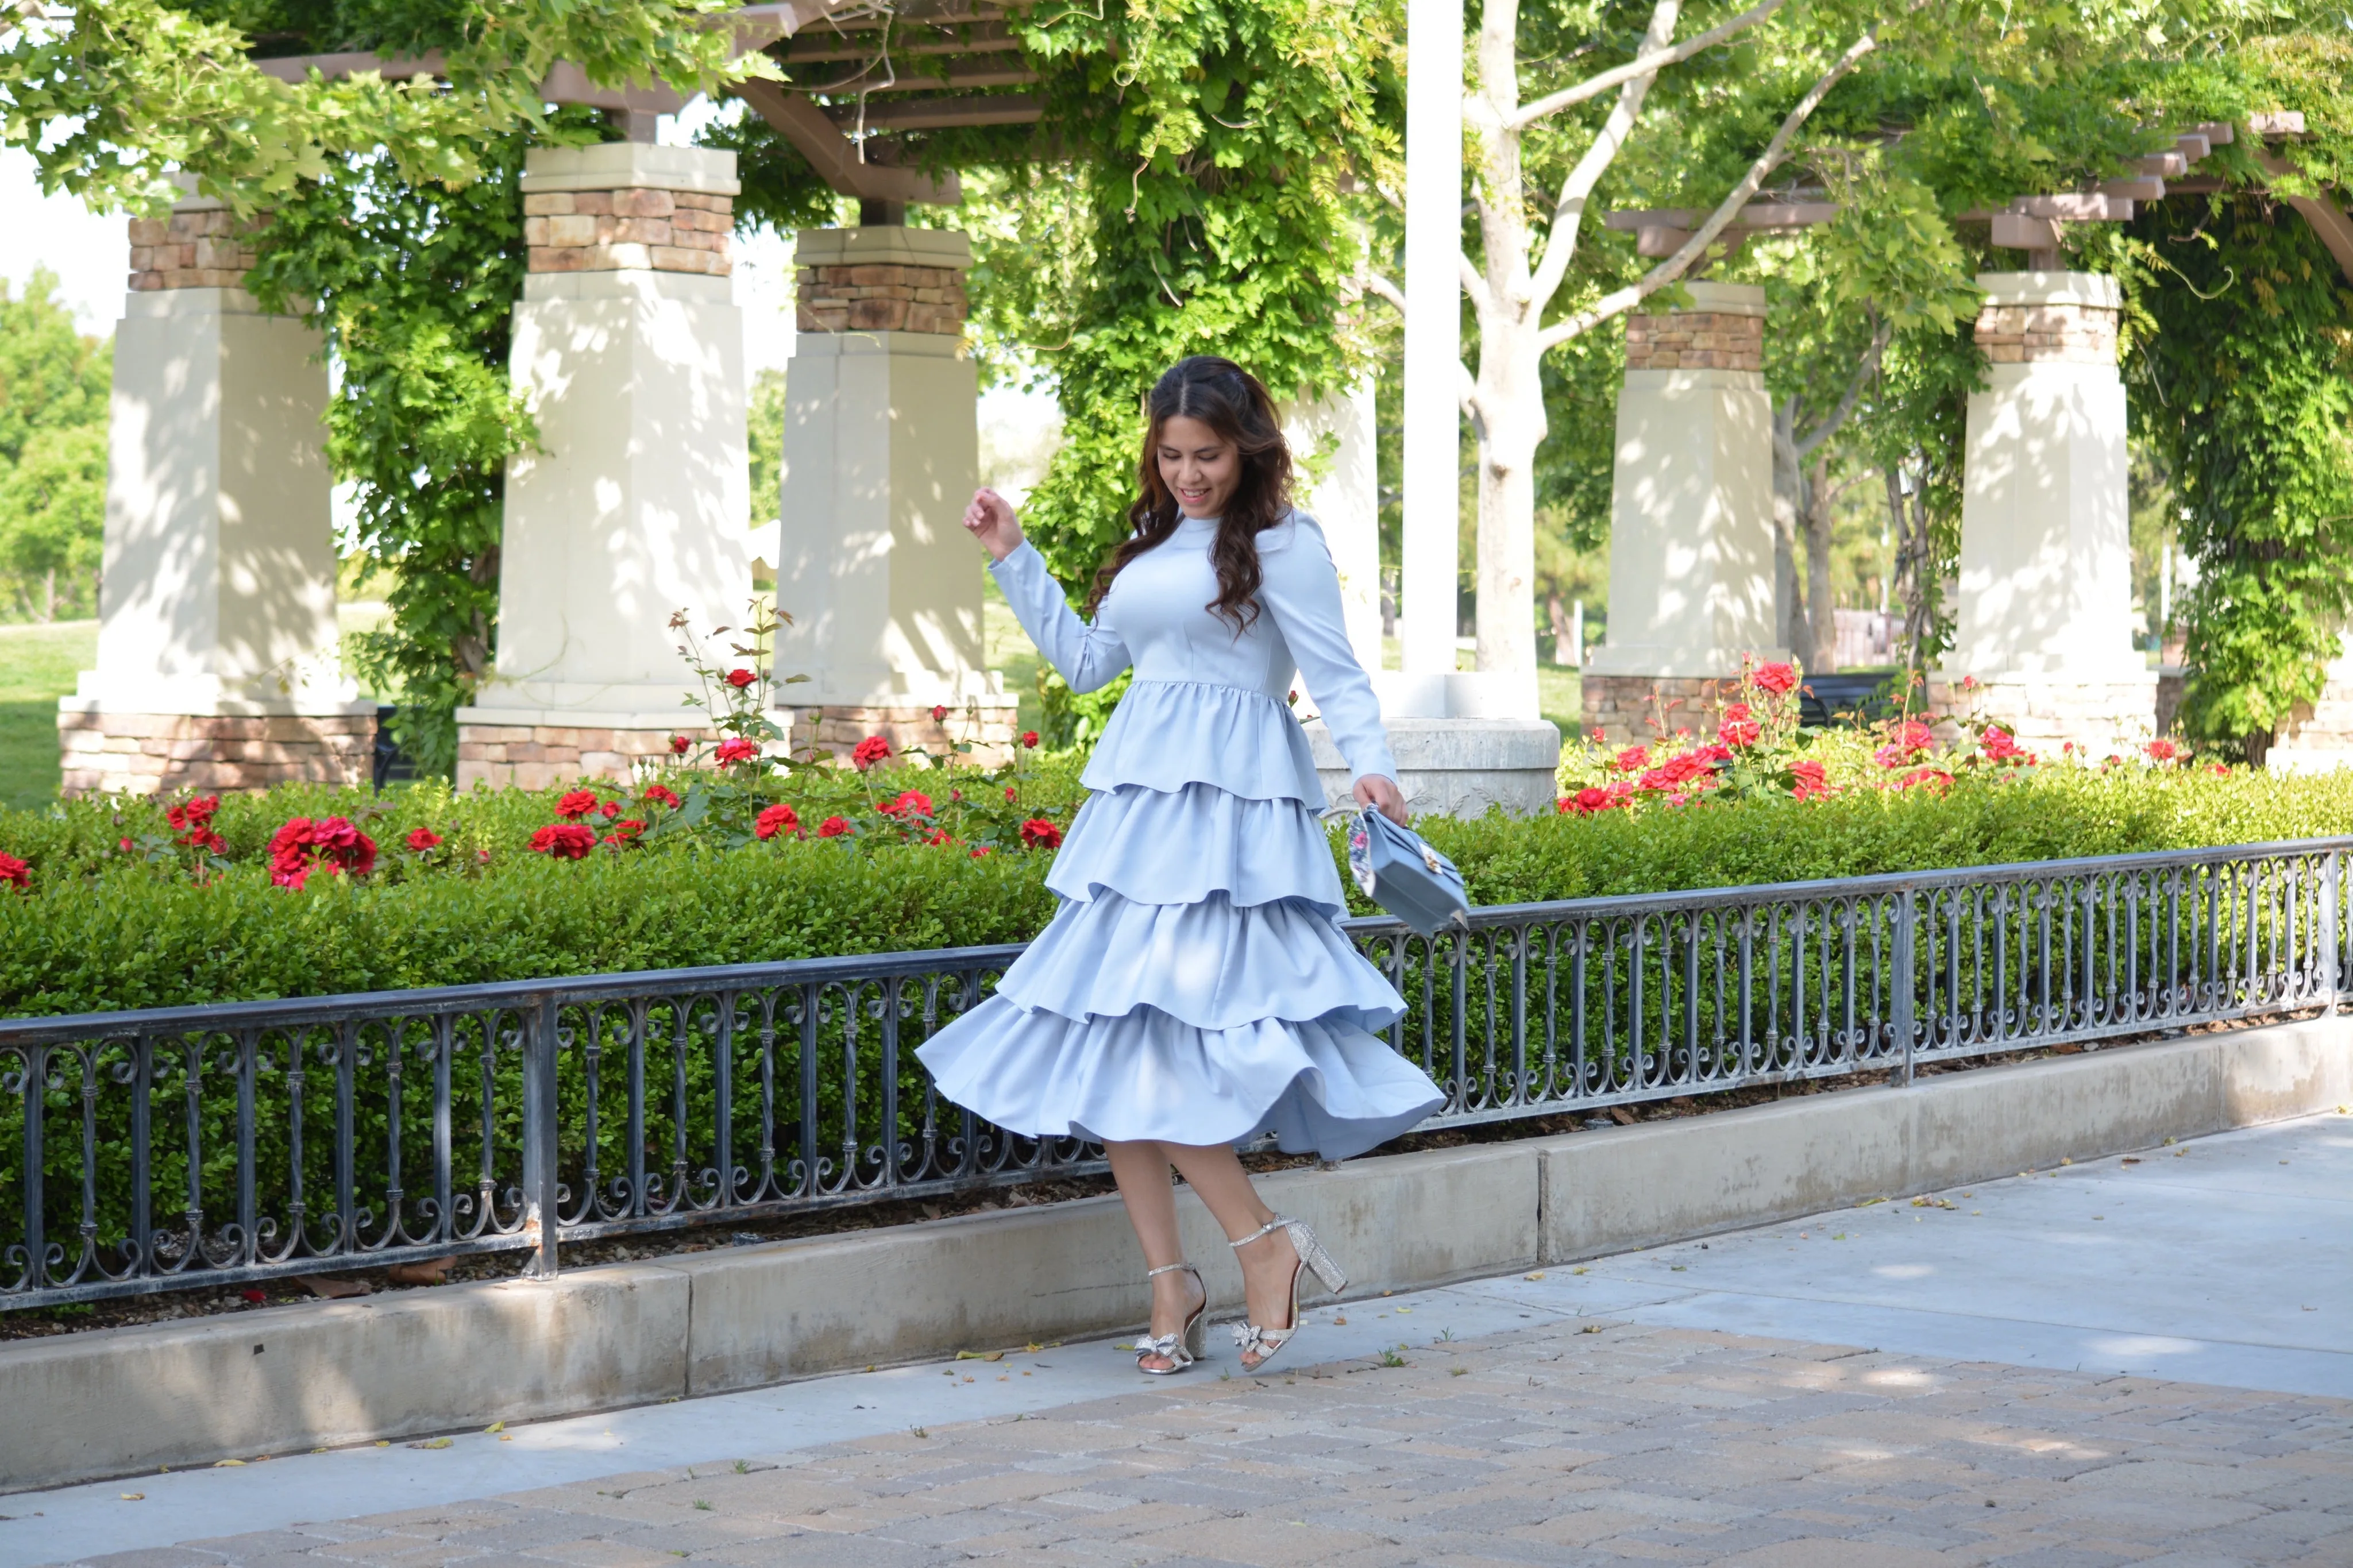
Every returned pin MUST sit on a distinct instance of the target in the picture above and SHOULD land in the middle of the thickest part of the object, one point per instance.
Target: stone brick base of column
(158, 753)
(987, 725)
(2098, 716)
(1630, 710)
(541, 756)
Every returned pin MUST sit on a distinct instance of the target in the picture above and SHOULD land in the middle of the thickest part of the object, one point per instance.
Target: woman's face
(1200, 468)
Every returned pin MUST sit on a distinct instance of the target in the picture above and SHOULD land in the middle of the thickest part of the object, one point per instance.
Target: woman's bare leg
(1141, 1169)
(1216, 1173)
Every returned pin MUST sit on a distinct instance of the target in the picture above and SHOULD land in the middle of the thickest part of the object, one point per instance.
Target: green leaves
(2246, 387)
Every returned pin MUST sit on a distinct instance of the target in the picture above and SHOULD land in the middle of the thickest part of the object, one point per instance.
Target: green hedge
(105, 929)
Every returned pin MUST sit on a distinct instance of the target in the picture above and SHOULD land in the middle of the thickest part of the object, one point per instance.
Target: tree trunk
(1821, 614)
(1509, 395)
(1792, 622)
(1508, 386)
(48, 595)
(1564, 646)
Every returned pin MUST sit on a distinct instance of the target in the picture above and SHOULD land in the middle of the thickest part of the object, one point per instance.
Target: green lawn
(37, 665)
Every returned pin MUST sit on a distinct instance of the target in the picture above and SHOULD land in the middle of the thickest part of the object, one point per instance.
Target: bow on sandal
(1183, 1348)
(1252, 1338)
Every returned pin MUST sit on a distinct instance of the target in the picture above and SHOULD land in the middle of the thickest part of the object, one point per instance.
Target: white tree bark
(1510, 293)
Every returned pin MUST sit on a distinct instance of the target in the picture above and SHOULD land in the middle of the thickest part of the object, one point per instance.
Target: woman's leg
(1216, 1173)
(1141, 1169)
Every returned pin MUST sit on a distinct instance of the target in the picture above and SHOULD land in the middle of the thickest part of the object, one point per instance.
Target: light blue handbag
(1405, 876)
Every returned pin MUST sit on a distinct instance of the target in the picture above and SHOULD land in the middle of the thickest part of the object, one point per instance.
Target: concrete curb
(119, 1401)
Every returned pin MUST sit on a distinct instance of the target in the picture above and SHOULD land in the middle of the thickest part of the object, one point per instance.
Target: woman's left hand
(1379, 793)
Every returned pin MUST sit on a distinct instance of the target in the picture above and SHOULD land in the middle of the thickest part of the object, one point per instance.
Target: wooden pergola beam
(835, 158)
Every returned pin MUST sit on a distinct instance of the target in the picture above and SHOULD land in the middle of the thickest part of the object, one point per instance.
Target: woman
(1195, 990)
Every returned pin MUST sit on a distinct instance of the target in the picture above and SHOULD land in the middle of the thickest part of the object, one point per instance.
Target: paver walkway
(1568, 1444)
(1608, 1414)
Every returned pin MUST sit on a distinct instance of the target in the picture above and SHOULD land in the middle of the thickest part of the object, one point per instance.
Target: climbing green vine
(2246, 388)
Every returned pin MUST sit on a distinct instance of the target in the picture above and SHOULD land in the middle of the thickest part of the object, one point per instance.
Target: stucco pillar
(2043, 617)
(1691, 527)
(881, 454)
(217, 643)
(629, 348)
(1335, 444)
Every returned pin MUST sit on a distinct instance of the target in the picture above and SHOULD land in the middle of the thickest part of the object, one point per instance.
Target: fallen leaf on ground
(134, 1497)
(432, 1271)
(1531, 1275)
(1621, 1116)
(333, 1288)
(229, 1464)
(496, 1427)
(433, 1443)
(980, 1355)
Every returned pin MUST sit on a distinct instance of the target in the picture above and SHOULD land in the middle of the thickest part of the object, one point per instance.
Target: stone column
(1691, 530)
(629, 347)
(881, 455)
(2044, 616)
(217, 643)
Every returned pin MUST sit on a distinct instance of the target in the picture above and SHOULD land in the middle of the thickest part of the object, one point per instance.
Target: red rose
(2223, 768)
(565, 840)
(979, 850)
(1776, 679)
(1039, 834)
(938, 835)
(1736, 711)
(16, 873)
(939, 712)
(625, 833)
(663, 795)
(777, 819)
(1029, 737)
(1633, 760)
(740, 679)
(914, 800)
(736, 751)
(872, 750)
(1739, 732)
(343, 847)
(833, 827)
(1008, 791)
(611, 808)
(678, 745)
(1935, 779)
(576, 804)
(2163, 751)
(422, 838)
(1999, 745)
(1588, 801)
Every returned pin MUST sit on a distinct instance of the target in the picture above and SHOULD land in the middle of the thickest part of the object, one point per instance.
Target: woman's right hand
(990, 520)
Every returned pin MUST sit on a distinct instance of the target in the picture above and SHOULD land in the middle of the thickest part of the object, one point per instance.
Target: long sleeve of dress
(1302, 587)
(1088, 656)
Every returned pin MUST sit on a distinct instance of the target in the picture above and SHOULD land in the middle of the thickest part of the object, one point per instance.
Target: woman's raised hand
(990, 520)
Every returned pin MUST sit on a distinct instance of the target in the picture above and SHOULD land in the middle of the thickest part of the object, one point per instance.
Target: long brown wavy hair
(1231, 402)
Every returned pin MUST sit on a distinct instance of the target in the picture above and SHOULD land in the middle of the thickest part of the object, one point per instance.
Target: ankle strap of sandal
(1268, 1228)
(1166, 1269)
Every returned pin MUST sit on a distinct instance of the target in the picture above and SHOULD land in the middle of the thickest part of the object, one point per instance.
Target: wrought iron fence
(153, 1150)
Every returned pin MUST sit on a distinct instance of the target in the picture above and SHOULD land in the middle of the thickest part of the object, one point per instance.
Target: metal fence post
(2332, 882)
(1907, 911)
(539, 1138)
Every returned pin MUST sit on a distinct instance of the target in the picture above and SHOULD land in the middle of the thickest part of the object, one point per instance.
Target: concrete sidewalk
(1856, 1388)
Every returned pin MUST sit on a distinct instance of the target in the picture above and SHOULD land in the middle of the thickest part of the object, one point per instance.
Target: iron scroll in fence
(222, 1145)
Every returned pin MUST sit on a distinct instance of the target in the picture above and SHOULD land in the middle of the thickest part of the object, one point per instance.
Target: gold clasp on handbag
(1429, 858)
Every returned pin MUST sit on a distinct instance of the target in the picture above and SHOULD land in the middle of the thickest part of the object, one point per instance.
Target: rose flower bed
(734, 855)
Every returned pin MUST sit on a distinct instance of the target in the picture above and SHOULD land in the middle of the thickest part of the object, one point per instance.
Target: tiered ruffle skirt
(1195, 987)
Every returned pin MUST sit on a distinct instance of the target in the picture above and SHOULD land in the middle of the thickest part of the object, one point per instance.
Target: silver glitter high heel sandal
(1262, 1342)
(1184, 1347)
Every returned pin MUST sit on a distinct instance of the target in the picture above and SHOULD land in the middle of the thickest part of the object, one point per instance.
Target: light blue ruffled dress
(1195, 986)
